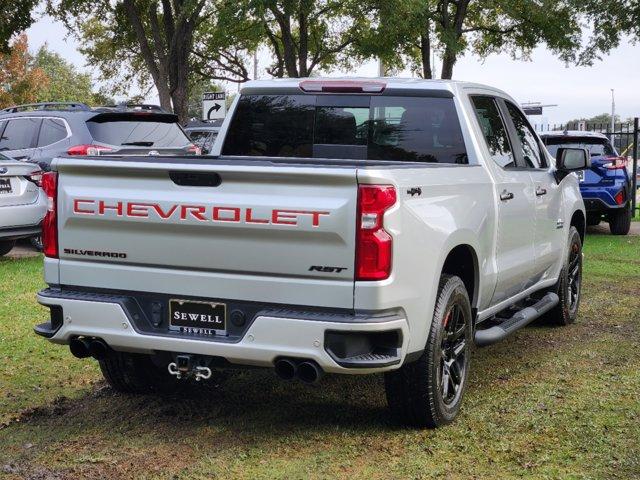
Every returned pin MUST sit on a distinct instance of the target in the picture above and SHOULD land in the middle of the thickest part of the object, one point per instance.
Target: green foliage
(305, 36)
(66, 83)
(408, 29)
(610, 22)
(15, 16)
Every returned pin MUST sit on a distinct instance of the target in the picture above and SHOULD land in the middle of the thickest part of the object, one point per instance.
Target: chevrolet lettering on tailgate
(203, 213)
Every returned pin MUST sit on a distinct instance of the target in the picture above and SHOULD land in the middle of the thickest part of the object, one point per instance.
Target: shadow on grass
(256, 403)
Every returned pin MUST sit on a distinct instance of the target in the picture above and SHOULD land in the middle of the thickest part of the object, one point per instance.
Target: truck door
(548, 234)
(515, 252)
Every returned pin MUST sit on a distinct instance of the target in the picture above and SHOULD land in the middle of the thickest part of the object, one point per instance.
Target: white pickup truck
(340, 226)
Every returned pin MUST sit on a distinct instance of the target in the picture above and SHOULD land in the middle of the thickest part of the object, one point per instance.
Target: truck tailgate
(232, 230)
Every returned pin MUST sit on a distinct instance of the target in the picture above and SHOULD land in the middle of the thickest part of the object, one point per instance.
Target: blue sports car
(606, 187)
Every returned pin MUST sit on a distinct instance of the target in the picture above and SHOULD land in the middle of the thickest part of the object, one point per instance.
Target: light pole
(613, 112)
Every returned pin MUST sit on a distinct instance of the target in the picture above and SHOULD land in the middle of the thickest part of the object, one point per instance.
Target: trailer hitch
(185, 367)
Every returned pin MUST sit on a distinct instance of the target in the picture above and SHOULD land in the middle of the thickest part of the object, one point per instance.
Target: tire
(620, 221)
(36, 242)
(415, 393)
(569, 285)
(6, 247)
(136, 373)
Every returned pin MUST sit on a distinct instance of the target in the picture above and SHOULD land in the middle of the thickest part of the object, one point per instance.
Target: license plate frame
(197, 317)
(5, 186)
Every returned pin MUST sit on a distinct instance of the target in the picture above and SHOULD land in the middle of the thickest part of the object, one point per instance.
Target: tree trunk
(448, 61)
(425, 53)
(303, 50)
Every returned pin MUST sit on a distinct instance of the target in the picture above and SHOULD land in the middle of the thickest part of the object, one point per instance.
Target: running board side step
(521, 319)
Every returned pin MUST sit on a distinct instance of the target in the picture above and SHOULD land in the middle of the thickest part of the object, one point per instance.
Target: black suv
(42, 131)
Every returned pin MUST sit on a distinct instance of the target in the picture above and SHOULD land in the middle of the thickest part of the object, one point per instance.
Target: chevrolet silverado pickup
(344, 226)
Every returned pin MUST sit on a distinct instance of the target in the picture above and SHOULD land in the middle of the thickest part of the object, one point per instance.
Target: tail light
(620, 197)
(617, 163)
(35, 177)
(194, 149)
(90, 150)
(50, 222)
(373, 243)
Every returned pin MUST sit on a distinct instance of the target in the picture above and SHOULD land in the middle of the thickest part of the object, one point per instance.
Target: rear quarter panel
(456, 207)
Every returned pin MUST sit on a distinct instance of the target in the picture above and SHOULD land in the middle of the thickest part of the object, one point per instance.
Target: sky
(577, 91)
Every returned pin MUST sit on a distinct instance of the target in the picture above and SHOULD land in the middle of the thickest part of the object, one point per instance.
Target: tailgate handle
(195, 179)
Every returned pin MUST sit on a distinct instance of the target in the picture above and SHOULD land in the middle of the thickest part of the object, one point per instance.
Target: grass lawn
(546, 403)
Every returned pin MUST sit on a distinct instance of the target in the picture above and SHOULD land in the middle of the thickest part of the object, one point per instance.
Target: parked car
(22, 202)
(607, 187)
(203, 134)
(344, 226)
(42, 131)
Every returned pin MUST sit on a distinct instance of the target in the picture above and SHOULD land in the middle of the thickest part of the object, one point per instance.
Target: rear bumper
(597, 205)
(20, 221)
(270, 335)
(14, 233)
(600, 198)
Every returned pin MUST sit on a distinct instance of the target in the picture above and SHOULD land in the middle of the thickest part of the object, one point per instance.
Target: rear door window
(20, 134)
(52, 130)
(415, 129)
(531, 152)
(134, 133)
(494, 131)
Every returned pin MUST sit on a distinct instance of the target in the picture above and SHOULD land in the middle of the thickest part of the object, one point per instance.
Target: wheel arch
(462, 261)
(579, 221)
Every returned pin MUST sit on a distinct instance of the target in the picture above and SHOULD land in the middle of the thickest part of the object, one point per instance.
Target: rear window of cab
(402, 128)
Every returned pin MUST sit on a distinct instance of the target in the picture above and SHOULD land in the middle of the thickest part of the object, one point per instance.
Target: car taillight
(617, 163)
(194, 149)
(50, 222)
(373, 243)
(620, 197)
(35, 177)
(91, 150)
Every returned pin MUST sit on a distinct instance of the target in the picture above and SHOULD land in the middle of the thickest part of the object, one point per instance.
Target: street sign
(214, 105)
(532, 110)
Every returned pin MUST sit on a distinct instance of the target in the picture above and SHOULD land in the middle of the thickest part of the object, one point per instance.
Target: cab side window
(533, 156)
(494, 131)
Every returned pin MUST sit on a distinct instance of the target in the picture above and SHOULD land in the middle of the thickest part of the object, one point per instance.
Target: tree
(16, 17)
(309, 35)
(170, 41)
(65, 83)
(20, 81)
(611, 20)
(455, 26)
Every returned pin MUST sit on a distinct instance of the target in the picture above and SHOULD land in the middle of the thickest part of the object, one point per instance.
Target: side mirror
(572, 159)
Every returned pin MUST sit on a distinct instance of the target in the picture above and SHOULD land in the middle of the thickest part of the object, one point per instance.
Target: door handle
(540, 191)
(505, 196)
